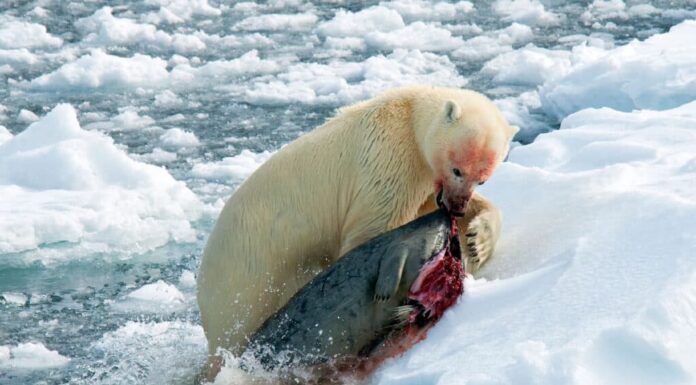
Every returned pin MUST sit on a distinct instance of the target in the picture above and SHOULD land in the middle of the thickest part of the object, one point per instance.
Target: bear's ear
(452, 111)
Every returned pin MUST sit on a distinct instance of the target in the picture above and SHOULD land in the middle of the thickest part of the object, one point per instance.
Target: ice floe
(488, 45)
(657, 73)
(531, 12)
(177, 137)
(157, 297)
(74, 188)
(341, 82)
(15, 33)
(357, 24)
(30, 356)
(234, 168)
(101, 70)
(419, 10)
(277, 22)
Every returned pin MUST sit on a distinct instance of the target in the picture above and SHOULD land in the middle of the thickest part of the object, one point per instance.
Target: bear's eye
(456, 172)
(481, 183)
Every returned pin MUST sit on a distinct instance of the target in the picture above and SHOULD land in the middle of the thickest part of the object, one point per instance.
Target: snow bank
(73, 188)
(150, 353)
(15, 33)
(657, 73)
(235, 168)
(31, 356)
(595, 279)
(339, 82)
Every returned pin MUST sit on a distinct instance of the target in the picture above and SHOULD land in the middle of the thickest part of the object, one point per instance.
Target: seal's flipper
(391, 267)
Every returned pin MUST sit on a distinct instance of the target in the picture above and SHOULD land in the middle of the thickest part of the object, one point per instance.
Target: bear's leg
(479, 229)
(479, 232)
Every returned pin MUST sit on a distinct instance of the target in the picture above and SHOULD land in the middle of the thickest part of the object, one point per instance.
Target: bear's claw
(479, 243)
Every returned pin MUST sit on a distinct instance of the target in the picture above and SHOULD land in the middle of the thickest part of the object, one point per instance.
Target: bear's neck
(403, 180)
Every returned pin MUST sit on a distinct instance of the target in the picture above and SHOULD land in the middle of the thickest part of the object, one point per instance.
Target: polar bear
(374, 166)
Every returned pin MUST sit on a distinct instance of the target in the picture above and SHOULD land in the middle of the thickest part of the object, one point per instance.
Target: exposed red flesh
(439, 283)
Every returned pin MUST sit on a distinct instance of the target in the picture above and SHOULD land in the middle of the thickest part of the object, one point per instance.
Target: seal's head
(440, 281)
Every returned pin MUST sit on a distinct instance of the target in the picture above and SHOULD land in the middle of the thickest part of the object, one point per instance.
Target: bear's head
(464, 145)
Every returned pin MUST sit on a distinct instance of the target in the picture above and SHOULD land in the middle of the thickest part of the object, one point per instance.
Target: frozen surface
(657, 73)
(60, 183)
(124, 127)
(30, 356)
(594, 283)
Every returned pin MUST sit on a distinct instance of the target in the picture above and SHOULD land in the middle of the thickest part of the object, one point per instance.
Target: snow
(31, 356)
(530, 12)
(60, 183)
(594, 281)
(15, 33)
(657, 73)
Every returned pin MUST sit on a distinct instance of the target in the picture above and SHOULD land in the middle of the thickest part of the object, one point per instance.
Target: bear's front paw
(479, 242)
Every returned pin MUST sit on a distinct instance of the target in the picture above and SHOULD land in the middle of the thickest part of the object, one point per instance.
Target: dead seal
(373, 303)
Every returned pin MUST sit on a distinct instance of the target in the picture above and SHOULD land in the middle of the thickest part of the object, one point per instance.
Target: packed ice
(124, 127)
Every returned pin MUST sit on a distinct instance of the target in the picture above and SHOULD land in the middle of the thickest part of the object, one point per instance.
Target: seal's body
(404, 278)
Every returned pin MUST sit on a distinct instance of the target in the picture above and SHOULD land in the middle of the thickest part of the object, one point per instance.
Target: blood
(439, 284)
(476, 162)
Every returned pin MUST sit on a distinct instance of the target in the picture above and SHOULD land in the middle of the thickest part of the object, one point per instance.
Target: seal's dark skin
(350, 308)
